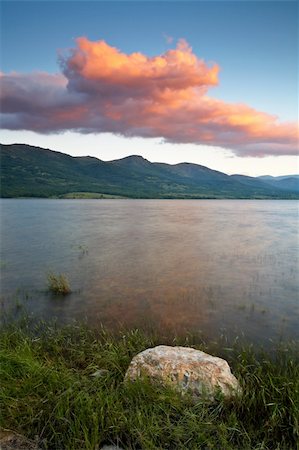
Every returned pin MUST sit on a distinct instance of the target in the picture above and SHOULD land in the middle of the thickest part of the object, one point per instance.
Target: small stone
(111, 447)
(186, 369)
(100, 373)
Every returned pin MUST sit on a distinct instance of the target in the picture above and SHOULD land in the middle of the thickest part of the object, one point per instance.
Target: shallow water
(217, 267)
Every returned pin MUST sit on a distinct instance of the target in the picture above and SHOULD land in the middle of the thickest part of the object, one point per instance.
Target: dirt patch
(9, 440)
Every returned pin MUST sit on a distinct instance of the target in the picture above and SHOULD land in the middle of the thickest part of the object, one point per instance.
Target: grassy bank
(47, 391)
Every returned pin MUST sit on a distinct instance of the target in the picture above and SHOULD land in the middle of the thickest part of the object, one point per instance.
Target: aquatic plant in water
(58, 284)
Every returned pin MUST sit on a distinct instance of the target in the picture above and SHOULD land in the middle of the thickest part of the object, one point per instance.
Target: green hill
(28, 171)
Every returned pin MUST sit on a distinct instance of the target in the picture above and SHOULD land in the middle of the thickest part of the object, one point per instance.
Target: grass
(58, 284)
(47, 390)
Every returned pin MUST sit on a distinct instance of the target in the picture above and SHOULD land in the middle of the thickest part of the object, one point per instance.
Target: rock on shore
(186, 369)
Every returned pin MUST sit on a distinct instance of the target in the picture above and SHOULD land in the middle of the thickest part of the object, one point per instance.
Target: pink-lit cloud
(168, 39)
(102, 89)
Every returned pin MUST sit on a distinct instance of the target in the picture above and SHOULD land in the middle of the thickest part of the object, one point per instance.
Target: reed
(58, 284)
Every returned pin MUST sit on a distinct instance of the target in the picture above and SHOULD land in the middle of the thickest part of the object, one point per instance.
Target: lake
(209, 266)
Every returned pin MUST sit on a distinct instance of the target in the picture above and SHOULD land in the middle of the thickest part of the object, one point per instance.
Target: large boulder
(186, 369)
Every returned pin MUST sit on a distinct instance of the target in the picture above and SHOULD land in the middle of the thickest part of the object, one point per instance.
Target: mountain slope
(28, 171)
(290, 182)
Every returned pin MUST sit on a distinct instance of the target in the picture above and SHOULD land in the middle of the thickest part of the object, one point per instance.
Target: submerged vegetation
(47, 390)
(58, 284)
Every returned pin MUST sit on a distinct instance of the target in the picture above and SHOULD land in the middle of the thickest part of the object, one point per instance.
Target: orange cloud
(176, 69)
(103, 89)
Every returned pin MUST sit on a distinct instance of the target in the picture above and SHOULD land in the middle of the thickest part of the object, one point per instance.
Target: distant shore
(96, 196)
(29, 171)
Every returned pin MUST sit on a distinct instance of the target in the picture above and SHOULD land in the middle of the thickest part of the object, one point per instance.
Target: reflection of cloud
(104, 90)
(181, 309)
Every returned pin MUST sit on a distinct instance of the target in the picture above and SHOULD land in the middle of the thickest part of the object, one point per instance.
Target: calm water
(227, 266)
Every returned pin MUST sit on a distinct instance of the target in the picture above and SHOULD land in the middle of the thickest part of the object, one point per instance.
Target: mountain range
(28, 171)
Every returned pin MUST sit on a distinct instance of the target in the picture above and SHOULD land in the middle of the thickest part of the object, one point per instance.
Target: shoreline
(49, 394)
(142, 198)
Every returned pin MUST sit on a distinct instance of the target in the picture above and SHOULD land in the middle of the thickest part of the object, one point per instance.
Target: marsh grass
(58, 284)
(47, 390)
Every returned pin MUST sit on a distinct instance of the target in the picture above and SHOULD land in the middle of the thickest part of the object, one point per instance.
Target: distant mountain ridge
(287, 182)
(28, 171)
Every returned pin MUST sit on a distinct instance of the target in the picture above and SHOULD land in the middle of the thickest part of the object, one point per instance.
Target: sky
(213, 83)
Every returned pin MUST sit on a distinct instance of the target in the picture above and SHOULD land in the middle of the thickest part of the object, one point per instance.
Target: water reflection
(215, 266)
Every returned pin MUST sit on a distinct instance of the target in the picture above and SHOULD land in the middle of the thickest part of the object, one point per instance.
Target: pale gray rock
(111, 447)
(186, 369)
(100, 373)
